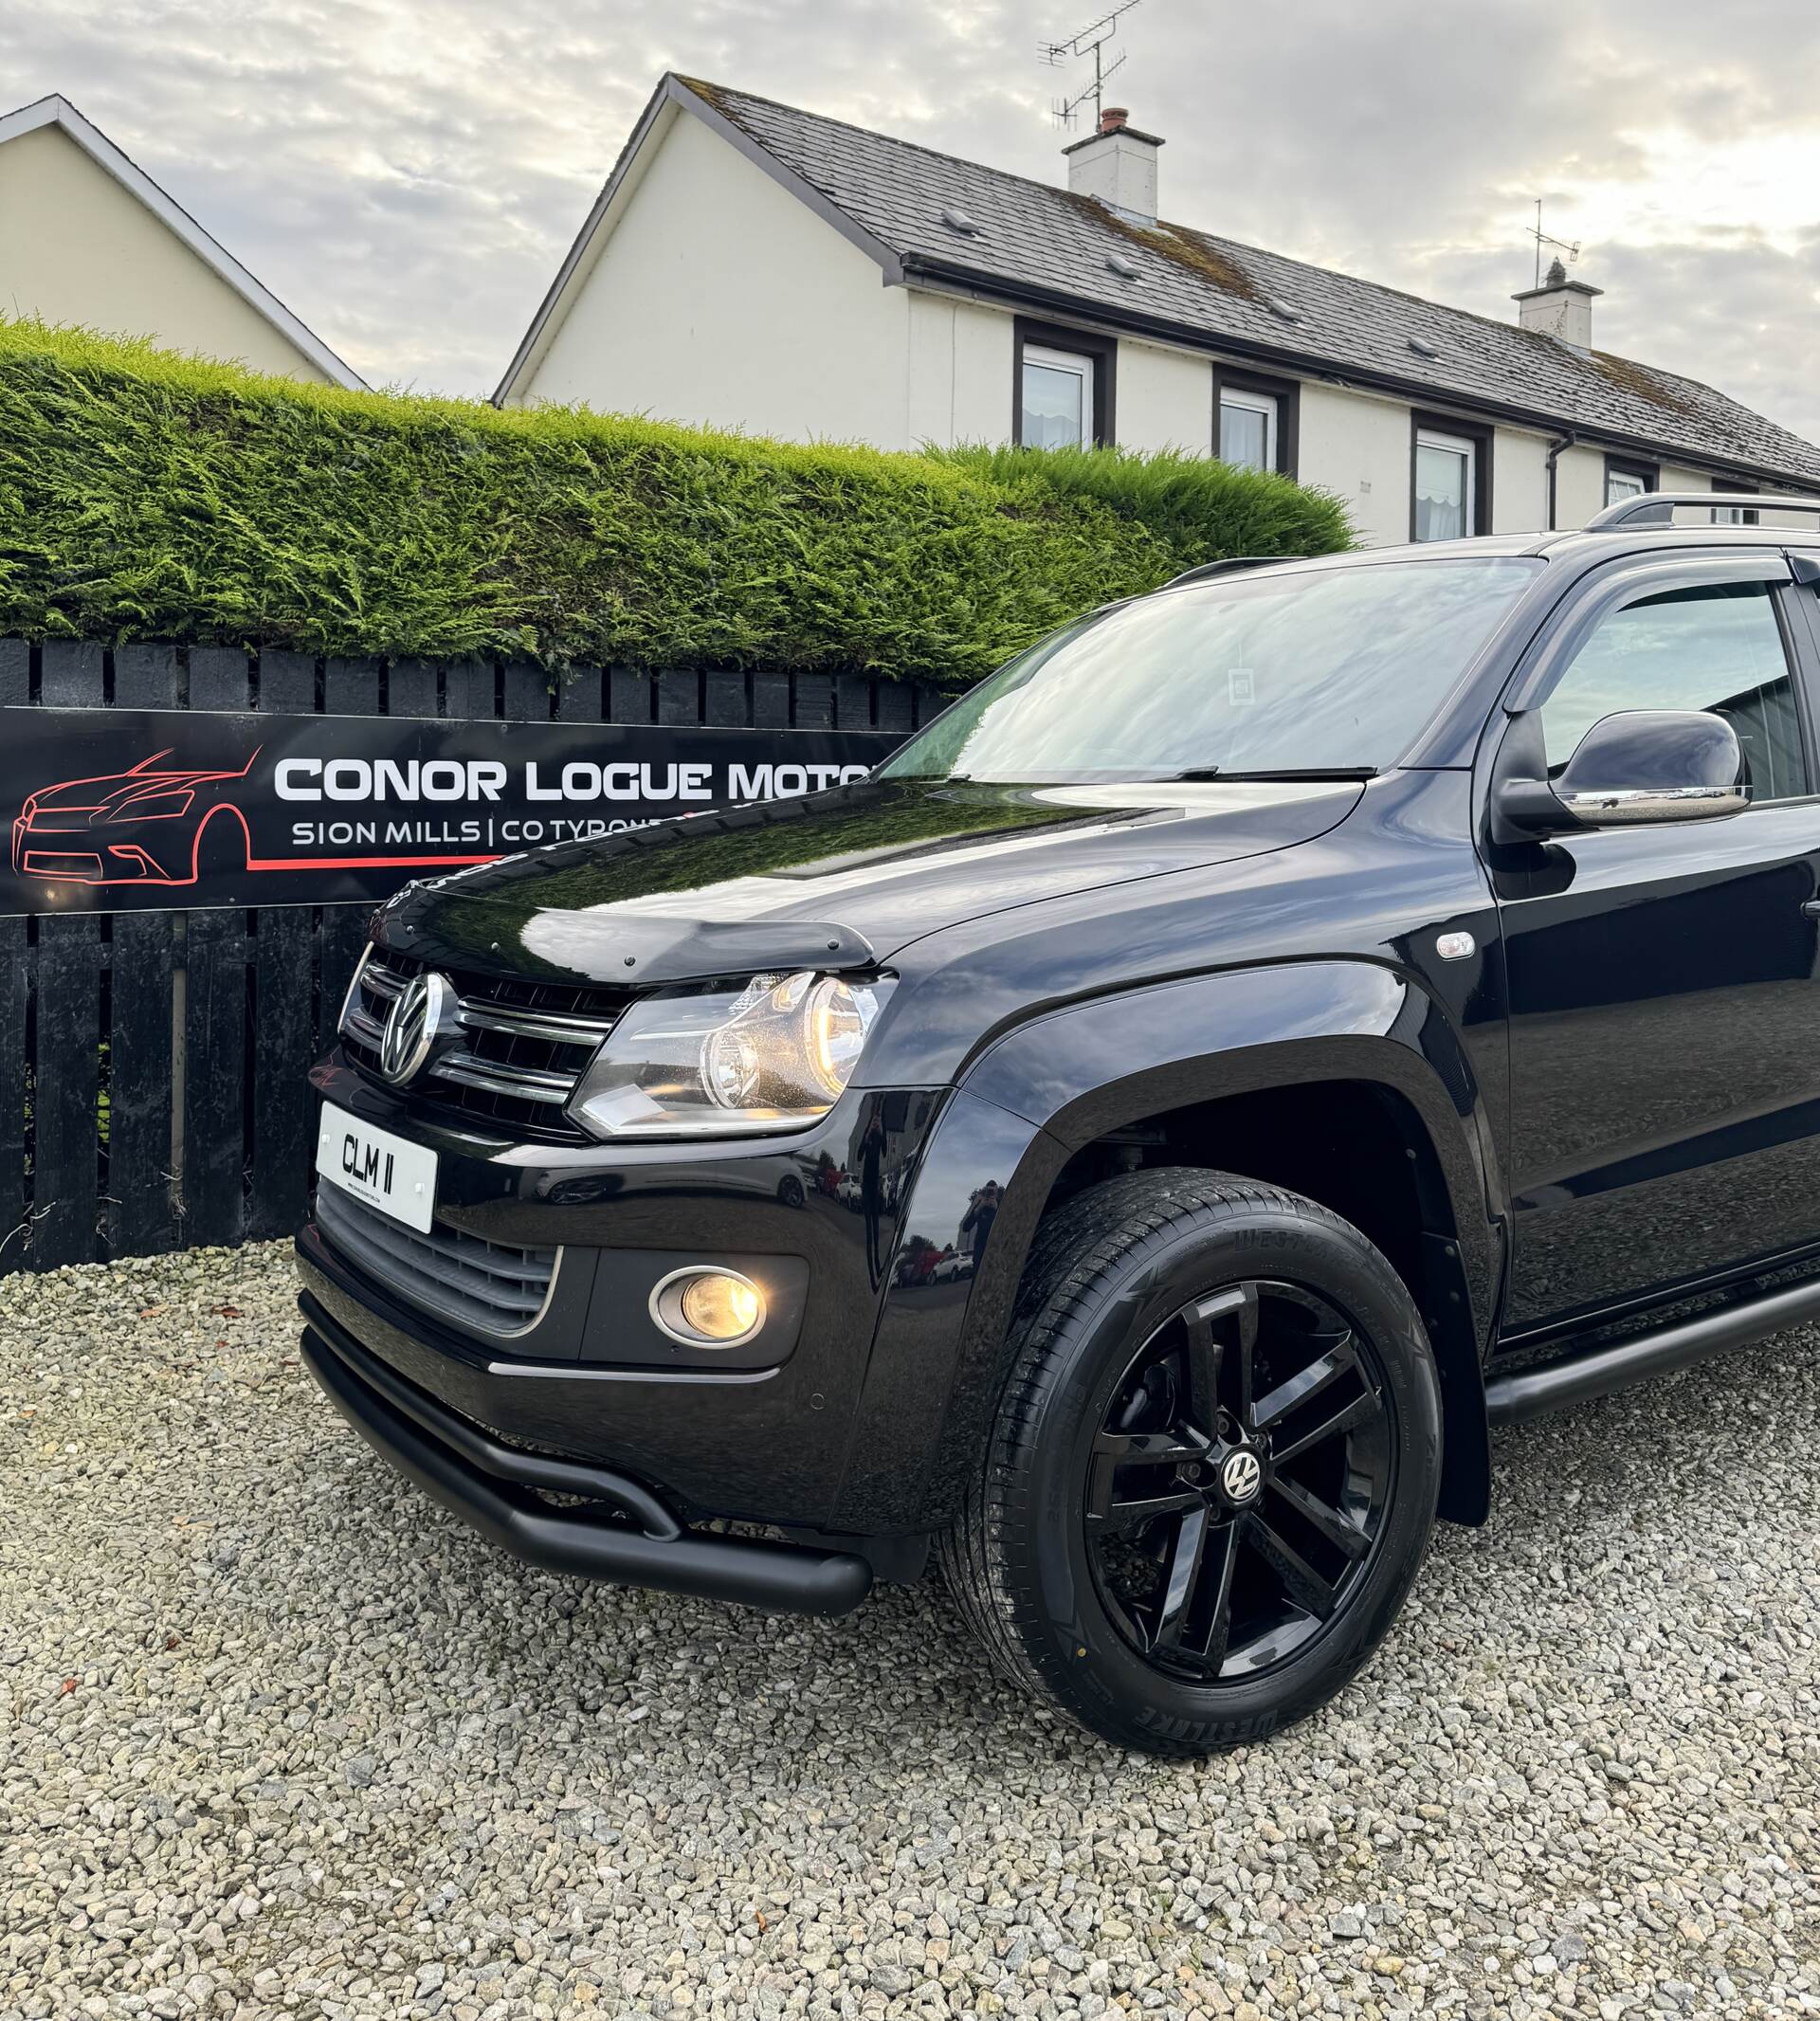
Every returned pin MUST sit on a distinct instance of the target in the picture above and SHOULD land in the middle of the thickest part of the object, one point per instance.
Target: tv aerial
(1542, 238)
(1090, 41)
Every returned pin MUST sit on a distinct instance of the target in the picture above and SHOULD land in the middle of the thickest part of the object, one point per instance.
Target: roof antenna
(1094, 38)
(1542, 239)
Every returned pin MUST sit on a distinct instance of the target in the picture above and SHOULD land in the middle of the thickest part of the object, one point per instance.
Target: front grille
(526, 1044)
(486, 1286)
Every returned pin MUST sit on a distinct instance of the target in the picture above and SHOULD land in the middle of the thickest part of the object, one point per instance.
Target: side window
(1717, 647)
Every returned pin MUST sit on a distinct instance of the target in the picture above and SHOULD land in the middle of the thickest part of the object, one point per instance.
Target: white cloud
(406, 176)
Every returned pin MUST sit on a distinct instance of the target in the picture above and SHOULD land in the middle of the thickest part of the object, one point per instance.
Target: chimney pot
(1116, 165)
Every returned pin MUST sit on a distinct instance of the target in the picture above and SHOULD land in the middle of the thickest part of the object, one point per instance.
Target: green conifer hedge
(144, 495)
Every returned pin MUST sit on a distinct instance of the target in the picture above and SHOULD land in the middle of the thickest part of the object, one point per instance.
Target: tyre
(1213, 1473)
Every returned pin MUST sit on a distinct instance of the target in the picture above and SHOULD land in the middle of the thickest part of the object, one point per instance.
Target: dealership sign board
(116, 809)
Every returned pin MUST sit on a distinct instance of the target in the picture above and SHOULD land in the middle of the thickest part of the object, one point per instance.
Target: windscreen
(1331, 670)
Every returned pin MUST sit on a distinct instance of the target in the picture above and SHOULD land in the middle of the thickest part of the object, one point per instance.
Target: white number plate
(387, 1171)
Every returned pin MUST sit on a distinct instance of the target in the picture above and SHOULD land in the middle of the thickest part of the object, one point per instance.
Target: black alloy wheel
(1213, 1473)
(1240, 1479)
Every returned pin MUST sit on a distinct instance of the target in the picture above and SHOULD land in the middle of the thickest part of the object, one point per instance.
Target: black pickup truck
(1138, 1140)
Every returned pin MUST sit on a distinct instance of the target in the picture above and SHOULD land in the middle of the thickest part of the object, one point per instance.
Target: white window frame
(1080, 362)
(1246, 402)
(1455, 445)
(1622, 485)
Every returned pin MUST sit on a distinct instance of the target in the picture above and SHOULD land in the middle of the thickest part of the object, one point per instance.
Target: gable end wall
(718, 298)
(77, 248)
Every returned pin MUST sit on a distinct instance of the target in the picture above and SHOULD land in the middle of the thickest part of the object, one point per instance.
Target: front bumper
(499, 1489)
(768, 1435)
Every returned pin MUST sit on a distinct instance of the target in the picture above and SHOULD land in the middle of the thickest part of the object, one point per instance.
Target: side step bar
(1553, 1385)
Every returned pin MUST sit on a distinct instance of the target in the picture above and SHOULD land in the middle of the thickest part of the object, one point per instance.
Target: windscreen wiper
(1286, 771)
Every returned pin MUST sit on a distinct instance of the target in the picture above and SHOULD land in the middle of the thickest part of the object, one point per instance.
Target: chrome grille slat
(363, 1026)
(530, 1084)
(565, 1028)
(560, 1030)
(484, 1285)
(527, 1042)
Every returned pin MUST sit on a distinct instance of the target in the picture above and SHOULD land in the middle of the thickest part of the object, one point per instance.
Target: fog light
(722, 1308)
(708, 1308)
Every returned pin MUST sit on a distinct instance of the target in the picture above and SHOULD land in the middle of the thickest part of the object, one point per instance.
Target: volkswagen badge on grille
(424, 1019)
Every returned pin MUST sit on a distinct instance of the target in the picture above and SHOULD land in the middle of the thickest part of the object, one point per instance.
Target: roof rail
(1657, 508)
(1228, 567)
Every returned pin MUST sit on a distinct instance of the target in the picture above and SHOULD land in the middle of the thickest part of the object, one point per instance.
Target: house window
(1062, 391)
(1248, 428)
(1446, 485)
(1057, 398)
(1628, 480)
(1734, 515)
(1254, 422)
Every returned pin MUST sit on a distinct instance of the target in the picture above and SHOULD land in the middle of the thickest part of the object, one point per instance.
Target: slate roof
(1037, 240)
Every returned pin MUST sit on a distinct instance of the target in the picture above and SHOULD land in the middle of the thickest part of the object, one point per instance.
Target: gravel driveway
(277, 1738)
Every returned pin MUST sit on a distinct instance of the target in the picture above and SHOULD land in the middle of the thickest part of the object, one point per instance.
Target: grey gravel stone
(279, 1740)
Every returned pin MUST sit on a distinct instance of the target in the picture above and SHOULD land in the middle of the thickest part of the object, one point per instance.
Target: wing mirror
(1638, 766)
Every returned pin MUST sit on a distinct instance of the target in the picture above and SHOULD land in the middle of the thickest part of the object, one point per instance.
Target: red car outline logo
(118, 832)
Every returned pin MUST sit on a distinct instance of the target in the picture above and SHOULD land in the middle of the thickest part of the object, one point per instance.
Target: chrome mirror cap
(1612, 807)
(1647, 765)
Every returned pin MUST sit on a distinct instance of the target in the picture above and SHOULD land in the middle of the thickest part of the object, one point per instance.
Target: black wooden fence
(153, 1090)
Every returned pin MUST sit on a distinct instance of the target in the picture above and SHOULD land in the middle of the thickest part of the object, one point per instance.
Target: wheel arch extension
(1351, 1052)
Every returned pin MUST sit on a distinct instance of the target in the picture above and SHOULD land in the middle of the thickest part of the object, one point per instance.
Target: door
(1665, 1018)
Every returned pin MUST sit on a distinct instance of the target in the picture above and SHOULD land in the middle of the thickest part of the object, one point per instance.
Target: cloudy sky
(405, 174)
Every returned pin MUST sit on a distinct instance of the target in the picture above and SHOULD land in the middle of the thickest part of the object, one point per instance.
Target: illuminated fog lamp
(702, 1307)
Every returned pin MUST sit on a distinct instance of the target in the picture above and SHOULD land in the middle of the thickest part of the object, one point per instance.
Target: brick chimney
(1118, 166)
(1559, 308)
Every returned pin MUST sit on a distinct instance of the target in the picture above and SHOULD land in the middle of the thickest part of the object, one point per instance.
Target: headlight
(774, 1055)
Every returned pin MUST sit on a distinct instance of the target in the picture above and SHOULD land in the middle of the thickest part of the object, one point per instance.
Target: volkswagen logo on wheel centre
(425, 1016)
(1241, 1476)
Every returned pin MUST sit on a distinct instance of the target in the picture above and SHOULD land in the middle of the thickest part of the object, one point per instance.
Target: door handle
(1812, 907)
